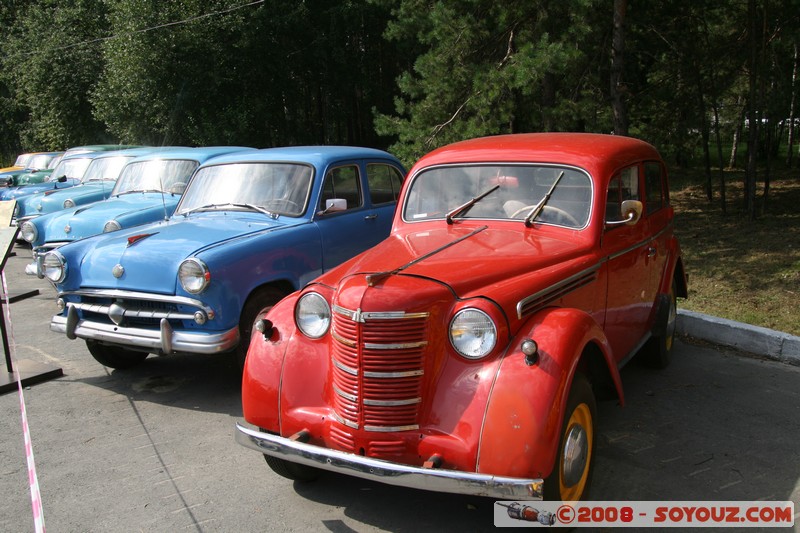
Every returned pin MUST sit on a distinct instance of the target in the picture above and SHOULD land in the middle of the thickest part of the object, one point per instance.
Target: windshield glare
(105, 168)
(39, 161)
(437, 191)
(281, 188)
(71, 168)
(170, 176)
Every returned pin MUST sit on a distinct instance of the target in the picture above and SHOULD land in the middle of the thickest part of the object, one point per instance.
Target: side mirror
(334, 205)
(62, 179)
(631, 213)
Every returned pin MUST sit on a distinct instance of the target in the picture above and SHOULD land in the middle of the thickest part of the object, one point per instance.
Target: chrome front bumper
(164, 340)
(452, 481)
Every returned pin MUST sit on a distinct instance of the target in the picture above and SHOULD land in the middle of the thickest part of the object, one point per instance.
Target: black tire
(115, 356)
(293, 471)
(257, 304)
(657, 352)
(571, 477)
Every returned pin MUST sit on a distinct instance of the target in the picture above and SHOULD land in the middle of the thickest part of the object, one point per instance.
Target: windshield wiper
(231, 204)
(538, 207)
(468, 204)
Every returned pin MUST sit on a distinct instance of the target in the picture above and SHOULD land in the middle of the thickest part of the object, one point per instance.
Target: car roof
(197, 154)
(99, 148)
(592, 151)
(316, 155)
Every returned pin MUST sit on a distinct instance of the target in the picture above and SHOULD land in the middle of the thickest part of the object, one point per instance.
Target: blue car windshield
(71, 168)
(160, 175)
(105, 168)
(280, 188)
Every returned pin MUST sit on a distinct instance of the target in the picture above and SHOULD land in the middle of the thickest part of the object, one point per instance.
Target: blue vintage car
(250, 229)
(95, 185)
(39, 162)
(147, 190)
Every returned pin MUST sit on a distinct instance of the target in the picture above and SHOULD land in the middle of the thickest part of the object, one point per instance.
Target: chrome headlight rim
(28, 231)
(194, 275)
(69, 203)
(54, 267)
(312, 315)
(472, 333)
(111, 225)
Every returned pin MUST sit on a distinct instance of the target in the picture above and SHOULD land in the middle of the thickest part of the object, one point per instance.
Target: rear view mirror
(334, 205)
(631, 213)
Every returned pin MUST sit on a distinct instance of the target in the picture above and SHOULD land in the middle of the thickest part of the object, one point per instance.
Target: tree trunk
(737, 134)
(618, 104)
(792, 100)
(752, 114)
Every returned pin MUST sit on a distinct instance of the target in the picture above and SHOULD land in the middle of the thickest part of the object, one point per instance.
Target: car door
(367, 217)
(630, 257)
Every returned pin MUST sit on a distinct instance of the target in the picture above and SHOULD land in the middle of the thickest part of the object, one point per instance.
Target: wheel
(572, 471)
(115, 356)
(257, 304)
(657, 352)
(556, 212)
(289, 470)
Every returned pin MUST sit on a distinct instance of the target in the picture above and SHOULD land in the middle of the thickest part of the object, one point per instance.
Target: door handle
(651, 251)
(371, 217)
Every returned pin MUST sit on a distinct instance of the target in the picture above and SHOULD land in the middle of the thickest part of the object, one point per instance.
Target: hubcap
(575, 454)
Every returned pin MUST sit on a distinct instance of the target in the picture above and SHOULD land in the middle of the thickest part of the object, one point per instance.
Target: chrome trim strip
(136, 313)
(438, 480)
(344, 368)
(134, 295)
(387, 375)
(147, 339)
(377, 315)
(391, 429)
(392, 403)
(397, 346)
(344, 422)
(342, 340)
(556, 291)
(345, 395)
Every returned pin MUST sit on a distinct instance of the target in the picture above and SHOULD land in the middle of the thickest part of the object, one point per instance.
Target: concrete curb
(765, 342)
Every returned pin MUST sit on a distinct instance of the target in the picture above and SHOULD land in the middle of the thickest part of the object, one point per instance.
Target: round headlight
(472, 333)
(111, 225)
(313, 315)
(194, 276)
(28, 231)
(68, 203)
(54, 267)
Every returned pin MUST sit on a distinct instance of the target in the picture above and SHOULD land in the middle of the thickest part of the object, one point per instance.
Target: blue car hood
(34, 188)
(151, 254)
(88, 220)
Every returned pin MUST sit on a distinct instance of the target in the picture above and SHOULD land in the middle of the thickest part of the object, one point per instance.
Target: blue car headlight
(28, 231)
(111, 225)
(194, 275)
(54, 267)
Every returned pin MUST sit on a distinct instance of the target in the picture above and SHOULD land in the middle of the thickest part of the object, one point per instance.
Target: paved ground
(152, 449)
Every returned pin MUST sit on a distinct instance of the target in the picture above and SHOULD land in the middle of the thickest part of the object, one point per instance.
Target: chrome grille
(377, 365)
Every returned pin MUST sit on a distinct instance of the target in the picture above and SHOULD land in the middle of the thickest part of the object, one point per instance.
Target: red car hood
(473, 260)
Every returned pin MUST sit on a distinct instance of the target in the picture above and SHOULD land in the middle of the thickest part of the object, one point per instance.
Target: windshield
(160, 175)
(280, 188)
(501, 192)
(55, 161)
(40, 161)
(105, 168)
(71, 168)
(22, 160)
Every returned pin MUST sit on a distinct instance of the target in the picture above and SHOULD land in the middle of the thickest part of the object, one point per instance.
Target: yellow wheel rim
(576, 454)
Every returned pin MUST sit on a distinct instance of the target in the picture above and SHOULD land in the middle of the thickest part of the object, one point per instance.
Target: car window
(342, 182)
(511, 192)
(653, 187)
(167, 175)
(623, 186)
(384, 183)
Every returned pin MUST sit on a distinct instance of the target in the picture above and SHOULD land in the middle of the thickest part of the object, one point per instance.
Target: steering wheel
(292, 206)
(556, 211)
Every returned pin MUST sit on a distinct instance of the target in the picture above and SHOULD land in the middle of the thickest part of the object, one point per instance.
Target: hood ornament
(118, 271)
(133, 239)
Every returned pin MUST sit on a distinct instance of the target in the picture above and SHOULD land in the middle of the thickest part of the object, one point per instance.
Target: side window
(623, 186)
(653, 187)
(384, 183)
(342, 182)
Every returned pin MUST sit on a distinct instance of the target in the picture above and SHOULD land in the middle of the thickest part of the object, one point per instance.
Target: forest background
(711, 83)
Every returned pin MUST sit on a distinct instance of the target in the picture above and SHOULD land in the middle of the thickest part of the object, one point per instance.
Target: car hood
(88, 220)
(34, 188)
(497, 263)
(151, 254)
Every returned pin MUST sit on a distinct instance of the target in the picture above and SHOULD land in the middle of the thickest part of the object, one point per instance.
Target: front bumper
(450, 481)
(164, 340)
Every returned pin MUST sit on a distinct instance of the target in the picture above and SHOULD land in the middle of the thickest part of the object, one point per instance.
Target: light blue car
(250, 228)
(147, 190)
(95, 185)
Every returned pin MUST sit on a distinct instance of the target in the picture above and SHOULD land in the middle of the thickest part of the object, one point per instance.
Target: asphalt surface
(152, 448)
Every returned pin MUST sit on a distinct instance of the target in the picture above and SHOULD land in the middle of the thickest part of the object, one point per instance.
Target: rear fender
(526, 407)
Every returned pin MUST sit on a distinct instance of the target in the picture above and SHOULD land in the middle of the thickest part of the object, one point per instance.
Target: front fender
(526, 407)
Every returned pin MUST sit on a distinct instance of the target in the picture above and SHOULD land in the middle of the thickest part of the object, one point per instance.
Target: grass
(742, 270)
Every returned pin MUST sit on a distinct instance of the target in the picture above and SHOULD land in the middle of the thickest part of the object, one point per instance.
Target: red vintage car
(464, 353)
